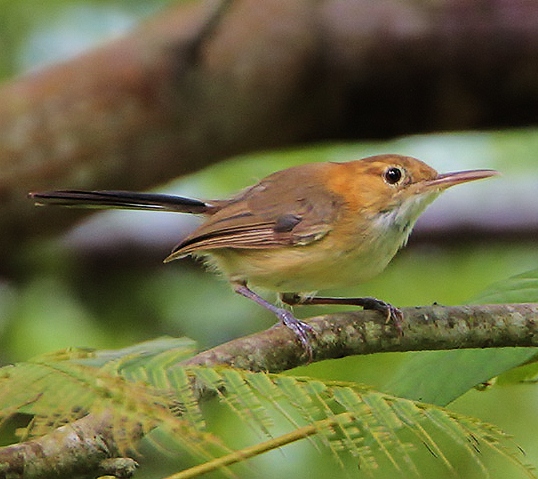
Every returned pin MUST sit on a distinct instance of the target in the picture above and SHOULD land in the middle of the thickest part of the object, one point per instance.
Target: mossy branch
(85, 448)
(366, 332)
(82, 449)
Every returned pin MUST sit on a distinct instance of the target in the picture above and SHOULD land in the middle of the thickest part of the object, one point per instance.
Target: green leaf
(528, 373)
(522, 288)
(133, 356)
(440, 377)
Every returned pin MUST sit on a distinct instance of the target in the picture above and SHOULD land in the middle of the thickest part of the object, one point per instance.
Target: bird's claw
(300, 329)
(392, 313)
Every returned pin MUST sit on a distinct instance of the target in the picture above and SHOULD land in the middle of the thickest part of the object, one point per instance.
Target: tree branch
(365, 332)
(80, 450)
(86, 447)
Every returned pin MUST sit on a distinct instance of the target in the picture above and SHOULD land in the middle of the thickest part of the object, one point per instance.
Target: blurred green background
(62, 296)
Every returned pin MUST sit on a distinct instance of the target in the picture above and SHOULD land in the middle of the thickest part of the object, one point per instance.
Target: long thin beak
(446, 180)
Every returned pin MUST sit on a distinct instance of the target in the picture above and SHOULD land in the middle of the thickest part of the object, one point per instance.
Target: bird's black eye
(393, 175)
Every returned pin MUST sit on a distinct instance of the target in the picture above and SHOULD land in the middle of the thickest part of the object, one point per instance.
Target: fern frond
(150, 394)
(348, 419)
(472, 434)
(60, 388)
(411, 416)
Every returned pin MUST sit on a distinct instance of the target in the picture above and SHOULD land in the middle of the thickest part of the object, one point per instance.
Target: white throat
(401, 219)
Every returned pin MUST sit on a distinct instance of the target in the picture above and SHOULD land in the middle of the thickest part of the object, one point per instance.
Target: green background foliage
(59, 299)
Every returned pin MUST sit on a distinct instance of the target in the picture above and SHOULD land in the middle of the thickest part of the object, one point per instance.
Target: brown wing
(286, 208)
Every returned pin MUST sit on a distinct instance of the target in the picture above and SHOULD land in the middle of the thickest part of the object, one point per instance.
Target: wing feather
(281, 210)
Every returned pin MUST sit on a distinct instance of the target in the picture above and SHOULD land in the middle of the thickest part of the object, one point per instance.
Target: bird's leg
(391, 313)
(300, 328)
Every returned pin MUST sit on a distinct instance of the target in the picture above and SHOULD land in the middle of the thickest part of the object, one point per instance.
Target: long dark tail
(120, 199)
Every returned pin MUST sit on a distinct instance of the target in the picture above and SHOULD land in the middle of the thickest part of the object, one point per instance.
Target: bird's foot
(300, 328)
(392, 313)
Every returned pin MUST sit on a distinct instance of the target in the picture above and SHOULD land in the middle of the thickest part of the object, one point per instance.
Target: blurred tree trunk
(204, 80)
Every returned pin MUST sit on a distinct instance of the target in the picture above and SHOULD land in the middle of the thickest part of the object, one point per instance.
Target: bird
(306, 228)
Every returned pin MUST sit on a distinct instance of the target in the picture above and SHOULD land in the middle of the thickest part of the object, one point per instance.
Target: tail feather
(120, 199)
